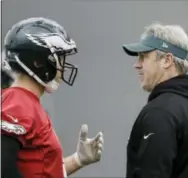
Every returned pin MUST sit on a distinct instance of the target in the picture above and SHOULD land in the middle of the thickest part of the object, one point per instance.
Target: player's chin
(58, 80)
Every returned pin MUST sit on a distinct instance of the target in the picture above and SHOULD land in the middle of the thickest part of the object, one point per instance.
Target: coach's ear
(167, 61)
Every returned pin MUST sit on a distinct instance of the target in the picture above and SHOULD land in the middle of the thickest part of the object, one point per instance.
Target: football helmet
(35, 46)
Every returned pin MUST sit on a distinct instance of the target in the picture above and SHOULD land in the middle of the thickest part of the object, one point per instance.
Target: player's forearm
(71, 164)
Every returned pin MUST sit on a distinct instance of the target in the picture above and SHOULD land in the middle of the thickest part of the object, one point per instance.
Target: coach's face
(149, 70)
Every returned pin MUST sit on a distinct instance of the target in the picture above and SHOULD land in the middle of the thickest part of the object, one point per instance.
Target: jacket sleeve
(21, 128)
(9, 149)
(158, 146)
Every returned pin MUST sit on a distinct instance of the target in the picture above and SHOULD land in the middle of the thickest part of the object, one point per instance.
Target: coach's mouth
(141, 76)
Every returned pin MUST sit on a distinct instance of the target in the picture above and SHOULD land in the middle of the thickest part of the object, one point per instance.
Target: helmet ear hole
(37, 64)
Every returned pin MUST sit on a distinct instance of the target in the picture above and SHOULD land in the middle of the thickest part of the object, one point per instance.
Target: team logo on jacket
(12, 128)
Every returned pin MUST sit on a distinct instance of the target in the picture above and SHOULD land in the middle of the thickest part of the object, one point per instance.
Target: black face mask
(68, 70)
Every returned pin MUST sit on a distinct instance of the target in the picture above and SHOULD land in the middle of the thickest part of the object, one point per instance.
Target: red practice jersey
(24, 118)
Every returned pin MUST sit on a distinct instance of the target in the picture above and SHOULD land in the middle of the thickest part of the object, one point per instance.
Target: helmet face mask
(48, 44)
(68, 70)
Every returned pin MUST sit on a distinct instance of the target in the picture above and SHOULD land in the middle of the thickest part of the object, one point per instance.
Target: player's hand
(89, 150)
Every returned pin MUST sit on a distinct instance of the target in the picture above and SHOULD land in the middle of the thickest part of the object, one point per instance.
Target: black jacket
(158, 144)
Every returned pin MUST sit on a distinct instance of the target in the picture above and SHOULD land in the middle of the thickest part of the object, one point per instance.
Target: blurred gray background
(106, 94)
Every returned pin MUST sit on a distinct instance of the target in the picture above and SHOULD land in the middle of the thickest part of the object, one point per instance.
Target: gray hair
(173, 34)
